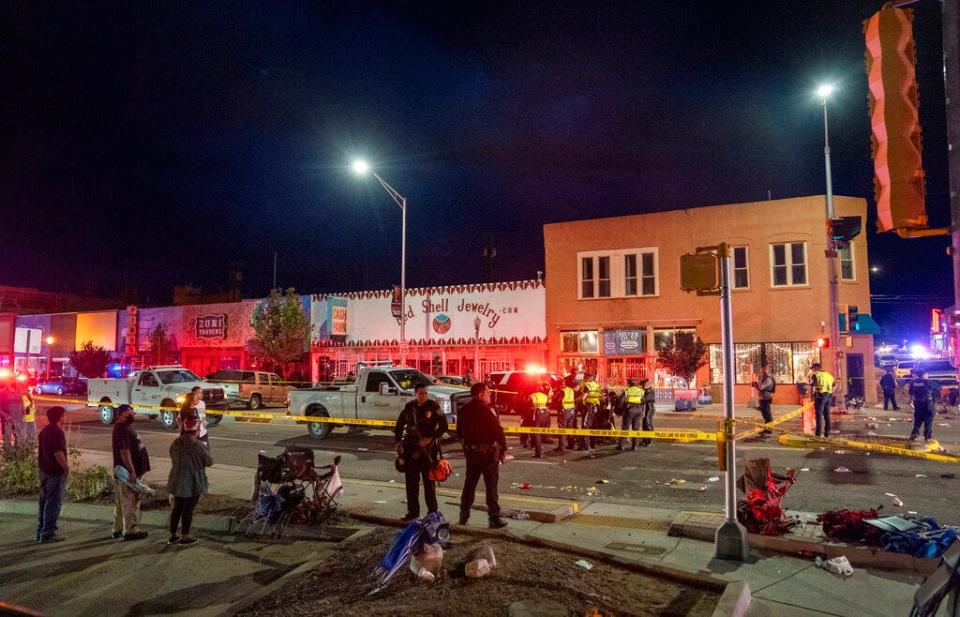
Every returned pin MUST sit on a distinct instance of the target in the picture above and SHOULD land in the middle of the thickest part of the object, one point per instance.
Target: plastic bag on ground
(430, 558)
(478, 568)
(838, 565)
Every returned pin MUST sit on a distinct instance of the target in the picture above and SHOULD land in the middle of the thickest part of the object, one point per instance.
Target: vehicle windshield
(408, 378)
(177, 376)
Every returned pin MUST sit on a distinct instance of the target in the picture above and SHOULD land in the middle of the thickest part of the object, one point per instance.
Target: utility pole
(951, 87)
(274, 270)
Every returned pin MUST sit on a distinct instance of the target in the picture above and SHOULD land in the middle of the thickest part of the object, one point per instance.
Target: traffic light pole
(731, 538)
(831, 254)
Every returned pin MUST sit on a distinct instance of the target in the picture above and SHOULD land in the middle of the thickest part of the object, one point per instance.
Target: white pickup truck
(379, 393)
(147, 389)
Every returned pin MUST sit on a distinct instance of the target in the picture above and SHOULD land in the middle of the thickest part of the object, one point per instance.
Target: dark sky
(144, 144)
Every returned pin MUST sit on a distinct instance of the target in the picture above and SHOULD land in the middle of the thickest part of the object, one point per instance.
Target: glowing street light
(362, 168)
(874, 269)
(825, 91)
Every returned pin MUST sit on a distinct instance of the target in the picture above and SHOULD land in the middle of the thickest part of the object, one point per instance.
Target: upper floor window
(848, 271)
(788, 264)
(618, 274)
(741, 270)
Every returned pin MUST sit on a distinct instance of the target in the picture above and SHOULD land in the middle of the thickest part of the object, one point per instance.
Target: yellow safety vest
(824, 382)
(29, 410)
(539, 400)
(569, 398)
(633, 394)
(592, 396)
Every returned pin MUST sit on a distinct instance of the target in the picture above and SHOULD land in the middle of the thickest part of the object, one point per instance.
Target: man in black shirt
(418, 431)
(130, 455)
(52, 461)
(888, 384)
(484, 446)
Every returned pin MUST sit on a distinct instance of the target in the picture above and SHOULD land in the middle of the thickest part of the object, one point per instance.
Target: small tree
(281, 329)
(159, 344)
(684, 356)
(90, 360)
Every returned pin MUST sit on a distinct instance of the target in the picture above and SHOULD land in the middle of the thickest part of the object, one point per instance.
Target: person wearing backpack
(766, 386)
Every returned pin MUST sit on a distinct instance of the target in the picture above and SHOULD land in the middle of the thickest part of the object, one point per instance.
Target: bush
(88, 483)
(18, 469)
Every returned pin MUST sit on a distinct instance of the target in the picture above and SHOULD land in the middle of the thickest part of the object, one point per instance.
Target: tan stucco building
(613, 292)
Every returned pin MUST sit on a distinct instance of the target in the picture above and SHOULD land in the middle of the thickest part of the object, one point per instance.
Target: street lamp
(362, 168)
(824, 92)
(50, 342)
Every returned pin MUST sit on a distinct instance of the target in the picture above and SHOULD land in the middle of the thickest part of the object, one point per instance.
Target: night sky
(144, 145)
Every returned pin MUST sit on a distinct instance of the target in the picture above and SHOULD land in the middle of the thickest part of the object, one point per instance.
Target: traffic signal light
(698, 272)
(853, 325)
(895, 121)
(844, 229)
(823, 343)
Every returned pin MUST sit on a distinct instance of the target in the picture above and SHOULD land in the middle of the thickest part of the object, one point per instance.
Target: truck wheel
(318, 430)
(255, 402)
(213, 420)
(168, 419)
(107, 414)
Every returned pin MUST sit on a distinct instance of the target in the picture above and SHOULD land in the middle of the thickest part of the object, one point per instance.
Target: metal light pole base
(731, 542)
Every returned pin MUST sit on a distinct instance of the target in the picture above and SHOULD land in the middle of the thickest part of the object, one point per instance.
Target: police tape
(805, 441)
(759, 428)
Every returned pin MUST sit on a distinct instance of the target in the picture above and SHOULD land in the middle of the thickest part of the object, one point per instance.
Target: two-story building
(613, 296)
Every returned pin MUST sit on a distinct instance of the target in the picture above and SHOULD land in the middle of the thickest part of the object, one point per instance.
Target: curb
(735, 600)
(699, 526)
(209, 523)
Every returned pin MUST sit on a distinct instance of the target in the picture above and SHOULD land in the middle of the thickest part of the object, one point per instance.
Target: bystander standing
(129, 459)
(52, 461)
(189, 458)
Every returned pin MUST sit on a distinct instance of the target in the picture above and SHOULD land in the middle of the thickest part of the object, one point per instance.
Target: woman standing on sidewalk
(189, 459)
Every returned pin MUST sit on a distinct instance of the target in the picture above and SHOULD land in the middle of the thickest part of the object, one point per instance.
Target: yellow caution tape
(769, 425)
(805, 441)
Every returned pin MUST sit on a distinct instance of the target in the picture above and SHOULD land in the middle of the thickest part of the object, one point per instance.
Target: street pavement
(636, 477)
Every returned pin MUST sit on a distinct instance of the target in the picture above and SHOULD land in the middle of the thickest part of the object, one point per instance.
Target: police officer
(822, 385)
(633, 414)
(484, 448)
(540, 416)
(419, 428)
(888, 384)
(649, 408)
(565, 403)
(591, 395)
(922, 395)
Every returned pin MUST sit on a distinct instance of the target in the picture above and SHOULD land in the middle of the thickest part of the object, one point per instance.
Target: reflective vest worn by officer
(633, 395)
(823, 382)
(592, 392)
(538, 400)
(569, 398)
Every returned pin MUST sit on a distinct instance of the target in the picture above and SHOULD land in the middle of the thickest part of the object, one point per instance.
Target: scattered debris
(804, 469)
(363, 449)
(838, 565)
(842, 469)
(890, 494)
(602, 482)
(911, 512)
(713, 479)
(676, 481)
(426, 564)
(920, 475)
(898, 502)
(524, 485)
(839, 451)
(948, 476)
(628, 468)
(583, 563)
(480, 562)
(508, 457)
(703, 487)
(379, 501)
(520, 516)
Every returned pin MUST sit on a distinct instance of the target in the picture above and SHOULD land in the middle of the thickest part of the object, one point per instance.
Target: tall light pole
(361, 168)
(824, 93)
(50, 342)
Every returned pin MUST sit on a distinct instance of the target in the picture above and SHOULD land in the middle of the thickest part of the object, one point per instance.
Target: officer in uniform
(565, 404)
(540, 416)
(921, 393)
(591, 395)
(822, 385)
(484, 448)
(649, 408)
(418, 431)
(633, 414)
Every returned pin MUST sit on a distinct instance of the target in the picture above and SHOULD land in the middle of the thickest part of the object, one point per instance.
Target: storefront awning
(867, 324)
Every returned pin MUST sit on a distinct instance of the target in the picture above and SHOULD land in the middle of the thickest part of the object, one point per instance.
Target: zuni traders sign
(497, 312)
(212, 326)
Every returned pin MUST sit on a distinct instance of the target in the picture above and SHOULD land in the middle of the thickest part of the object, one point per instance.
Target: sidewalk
(781, 585)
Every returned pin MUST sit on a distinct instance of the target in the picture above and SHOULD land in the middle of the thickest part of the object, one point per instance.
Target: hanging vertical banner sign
(396, 302)
(894, 120)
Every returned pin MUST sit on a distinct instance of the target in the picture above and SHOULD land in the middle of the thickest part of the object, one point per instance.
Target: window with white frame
(628, 273)
(848, 270)
(741, 270)
(788, 264)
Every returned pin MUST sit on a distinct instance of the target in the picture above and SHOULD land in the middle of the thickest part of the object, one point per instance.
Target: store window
(804, 356)
(618, 274)
(716, 364)
(665, 337)
(747, 359)
(848, 271)
(788, 264)
(583, 341)
(787, 362)
(741, 271)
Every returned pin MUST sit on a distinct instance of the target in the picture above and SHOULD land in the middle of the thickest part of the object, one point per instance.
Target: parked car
(253, 389)
(61, 386)
(509, 389)
(378, 394)
(904, 369)
(938, 370)
(150, 388)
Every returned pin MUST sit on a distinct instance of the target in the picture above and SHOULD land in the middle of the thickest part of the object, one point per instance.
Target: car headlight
(181, 398)
(445, 406)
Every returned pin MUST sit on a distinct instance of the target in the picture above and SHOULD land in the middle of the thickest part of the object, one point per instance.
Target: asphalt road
(640, 477)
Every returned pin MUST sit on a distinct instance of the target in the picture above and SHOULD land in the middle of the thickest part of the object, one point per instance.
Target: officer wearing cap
(540, 416)
(565, 404)
(633, 415)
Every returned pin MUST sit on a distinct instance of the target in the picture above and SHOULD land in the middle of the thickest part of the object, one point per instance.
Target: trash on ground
(948, 476)
(263, 451)
(804, 469)
(842, 469)
(427, 563)
(629, 468)
(890, 494)
(524, 485)
(379, 501)
(838, 565)
(713, 479)
(921, 537)
(602, 482)
(392, 481)
(480, 562)
(898, 502)
(761, 511)
(703, 487)
(839, 451)
(583, 563)
(920, 475)
(508, 457)
(363, 449)
(520, 516)
(429, 530)
(676, 481)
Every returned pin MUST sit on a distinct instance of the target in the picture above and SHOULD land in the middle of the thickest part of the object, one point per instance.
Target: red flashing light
(823, 342)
